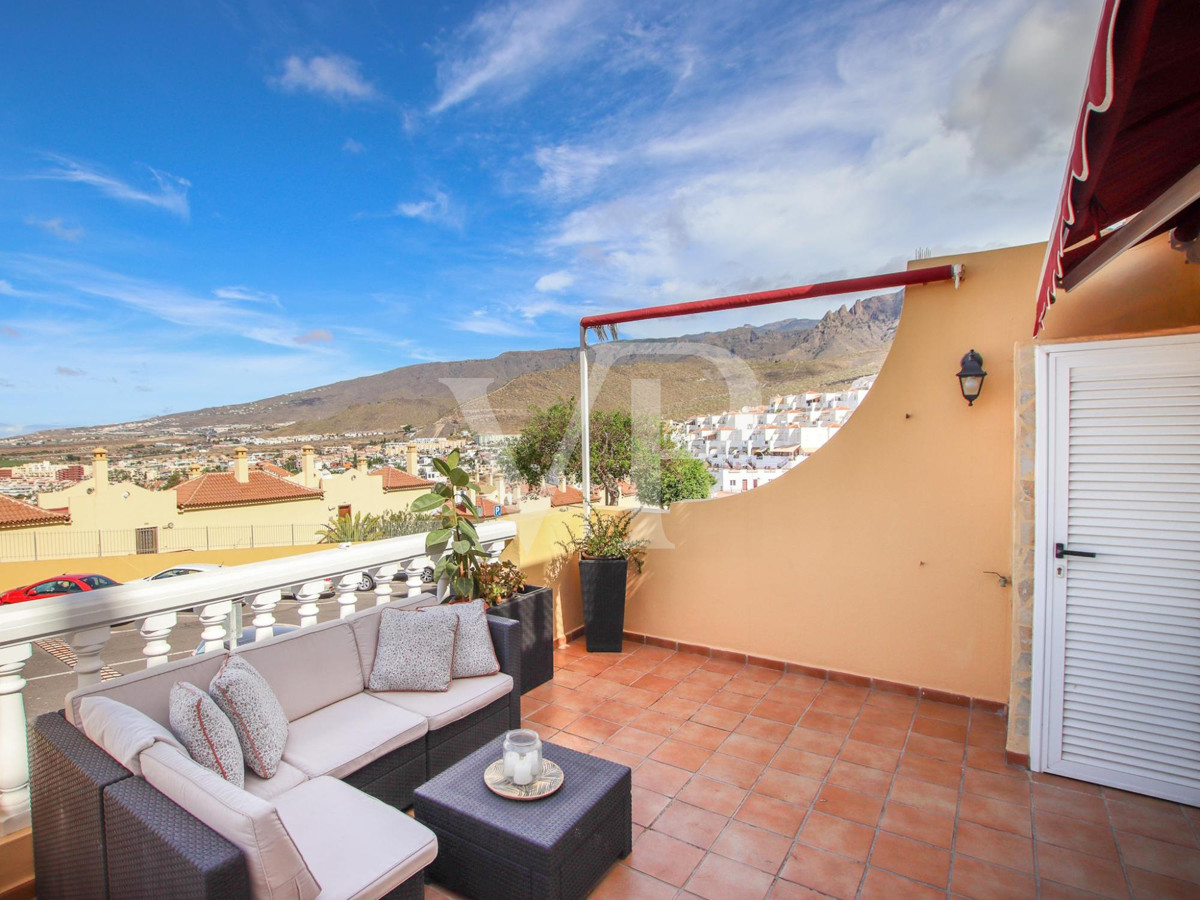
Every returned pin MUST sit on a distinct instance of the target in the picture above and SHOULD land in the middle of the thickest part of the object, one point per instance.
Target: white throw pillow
(260, 722)
(121, 730)
(206, 732)
(474, 655)
(415, 652)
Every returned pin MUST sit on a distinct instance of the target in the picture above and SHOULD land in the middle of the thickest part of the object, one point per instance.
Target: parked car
(56, 586)
(176, 571)
(326, 588)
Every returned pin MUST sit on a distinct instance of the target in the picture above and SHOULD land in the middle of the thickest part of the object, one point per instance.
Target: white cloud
(483, 321)
(568, 171)
(171, 193)
(316, 336)
(435, 209)
(334, 76)
(69, 372)
(353, 147)
(246, 294)
(57, 228)
(554, 282)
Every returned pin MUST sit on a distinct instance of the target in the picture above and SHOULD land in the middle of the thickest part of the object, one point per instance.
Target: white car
(175, 571)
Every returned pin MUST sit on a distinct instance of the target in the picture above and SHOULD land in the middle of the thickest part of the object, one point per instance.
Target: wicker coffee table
(555, 847)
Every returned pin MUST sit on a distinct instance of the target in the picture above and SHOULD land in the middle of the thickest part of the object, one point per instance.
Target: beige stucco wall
(112, 506)
(365, 494)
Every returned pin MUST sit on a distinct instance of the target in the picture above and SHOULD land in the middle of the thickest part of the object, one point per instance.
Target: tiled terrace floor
(752, 783)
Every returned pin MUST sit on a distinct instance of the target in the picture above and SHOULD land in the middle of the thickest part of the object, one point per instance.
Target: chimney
(306, 464)
(241, 466)
(562, 482)
(362, 464)
(412, 460)
(498, 481)
(99, 469)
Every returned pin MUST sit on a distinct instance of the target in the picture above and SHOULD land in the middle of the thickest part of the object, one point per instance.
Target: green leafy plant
(499, 580)
(606, 536)
(398, 522)
(452, 518)
(343, 529)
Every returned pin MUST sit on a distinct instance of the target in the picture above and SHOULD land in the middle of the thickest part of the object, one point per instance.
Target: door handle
(1061, 551)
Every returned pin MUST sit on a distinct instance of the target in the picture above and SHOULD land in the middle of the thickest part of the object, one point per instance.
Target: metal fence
(24, 546)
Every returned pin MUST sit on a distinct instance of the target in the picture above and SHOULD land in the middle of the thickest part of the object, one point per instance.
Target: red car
(59, 584)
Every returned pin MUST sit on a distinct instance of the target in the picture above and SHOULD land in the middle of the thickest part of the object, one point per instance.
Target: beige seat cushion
(275, 864)
(345, 736)
(355, 845)
(285, 778)
(465, 696)
(150, 689)
(309, 668)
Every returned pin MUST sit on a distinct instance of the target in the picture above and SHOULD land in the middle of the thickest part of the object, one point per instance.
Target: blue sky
(208, 202)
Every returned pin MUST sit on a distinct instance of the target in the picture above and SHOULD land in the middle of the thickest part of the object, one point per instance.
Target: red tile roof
(19, 514)
(568, 497)
(223, 489)
(396, 480)
(272, 469)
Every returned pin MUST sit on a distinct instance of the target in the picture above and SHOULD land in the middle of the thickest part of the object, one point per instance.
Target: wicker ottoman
(556, 847)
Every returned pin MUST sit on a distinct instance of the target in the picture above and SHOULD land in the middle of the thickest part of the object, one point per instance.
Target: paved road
(50, 678)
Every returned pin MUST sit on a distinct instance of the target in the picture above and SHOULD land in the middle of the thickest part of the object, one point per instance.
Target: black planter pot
(602, 584)
(533, 607)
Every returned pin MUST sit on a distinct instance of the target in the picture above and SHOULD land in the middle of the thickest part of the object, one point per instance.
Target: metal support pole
(585, 425)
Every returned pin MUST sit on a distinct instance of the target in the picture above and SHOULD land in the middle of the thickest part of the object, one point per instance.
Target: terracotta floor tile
(1053, 890)
(784, 713)
(892, 738)
(883, 885)
(656, 683)
(1065, 784)
(1119, 796)
(787, 787)
(801, 762)
(715, 796)
(637, 697)
(647, 805)
(1152, 886)
(677, 667)
(991, 761)
(960, 715)
(799, 697)
(723, 666)
(753, 846)
(624, 883)
(728, 699)
(664, 858)
(764, 729)
(1162, 857)
(575, 742)
(676, 706)
(978, 880)
(684, 756)
(657, 723)
(823, 871)
(545, 732)
(747, 687)
(923, 768)
(616, 711)
(598, 687)
(724, 719)
(882, 758)
(839, 836)
(706, 736)
(983, 720)
(659, 777)
(819, 721)
(786, 890)
(748, 748)
(634, 740)
(993, 846)
(852, 805)
(707, 678)
(691, 824)
(762, 674)
(1169, 825)
(580, 702)
(924, 795)
(837, 705)
(920, 862)
(901, 703)
(635, 663)
(697, 692)
(996, 814)
(620, 675)
(1073, 834)
(918, 824)
(615, 754)
(860, 778)
(885, 718)
(1071, 803)
(729, 769)
(940, 728)
(719, 878)
(999, 787)
(936, 748)
(592, 728)
(1088, 873)
(989, 740)
(812, 741)
(771, 814)
(554, 716)
(548, 691)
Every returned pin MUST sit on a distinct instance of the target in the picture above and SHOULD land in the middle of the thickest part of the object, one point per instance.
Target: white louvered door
(1122, 700)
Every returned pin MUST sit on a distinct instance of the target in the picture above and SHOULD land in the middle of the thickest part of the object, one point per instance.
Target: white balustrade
(383, 583)
(494, 549)
(14, 758)
(308, 595)
(263, 605)
(346, 597)
(155, 631)
(214, 617)
(416, 579)
(88, 645)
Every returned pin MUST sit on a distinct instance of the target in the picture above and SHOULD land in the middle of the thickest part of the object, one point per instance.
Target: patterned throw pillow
(206, 732)
(474, 654)
(261, 725)
(415, 652)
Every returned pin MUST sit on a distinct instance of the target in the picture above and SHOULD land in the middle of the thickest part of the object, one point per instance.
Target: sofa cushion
(288, 662)
(356, 846)
(274, 863)
(262, 728)
(365, 624)
(474, 654)
(415, 652)
(465, 696)
(285, 778)
(150, 689)
(206, 732)
(120, 730)
(345, 736)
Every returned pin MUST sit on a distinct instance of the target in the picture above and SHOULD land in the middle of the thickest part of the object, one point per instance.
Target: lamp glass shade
(970, 377)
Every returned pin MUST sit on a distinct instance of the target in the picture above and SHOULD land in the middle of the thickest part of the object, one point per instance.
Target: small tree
(461, 565)
(538, 450)
(664, 472)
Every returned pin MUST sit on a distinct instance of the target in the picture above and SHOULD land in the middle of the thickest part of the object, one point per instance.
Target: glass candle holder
(522, 756)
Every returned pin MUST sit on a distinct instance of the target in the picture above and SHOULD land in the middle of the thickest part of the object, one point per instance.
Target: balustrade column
(443, 583)
(346, 597)
(263, 606)
(383, 583)
(155, 631)
(88, 646)
(494, 550)
(308, 595)
(14, 749)
(214, 618)
(416, 568)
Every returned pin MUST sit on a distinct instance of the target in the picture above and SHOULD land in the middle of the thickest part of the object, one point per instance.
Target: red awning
(1138, 132)
(803, 292)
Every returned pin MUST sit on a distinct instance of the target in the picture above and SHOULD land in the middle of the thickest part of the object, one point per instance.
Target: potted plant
(452, 514)
(503, 588)
(605, 551)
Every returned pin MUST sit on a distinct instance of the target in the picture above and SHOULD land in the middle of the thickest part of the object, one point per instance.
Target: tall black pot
(602, 584)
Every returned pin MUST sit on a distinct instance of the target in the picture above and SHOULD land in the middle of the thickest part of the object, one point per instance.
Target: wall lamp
(970, 377)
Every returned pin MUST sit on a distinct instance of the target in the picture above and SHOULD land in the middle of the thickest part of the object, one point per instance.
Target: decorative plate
(498, 783)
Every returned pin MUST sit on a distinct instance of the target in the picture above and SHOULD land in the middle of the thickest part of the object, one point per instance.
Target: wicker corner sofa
(102, 830)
